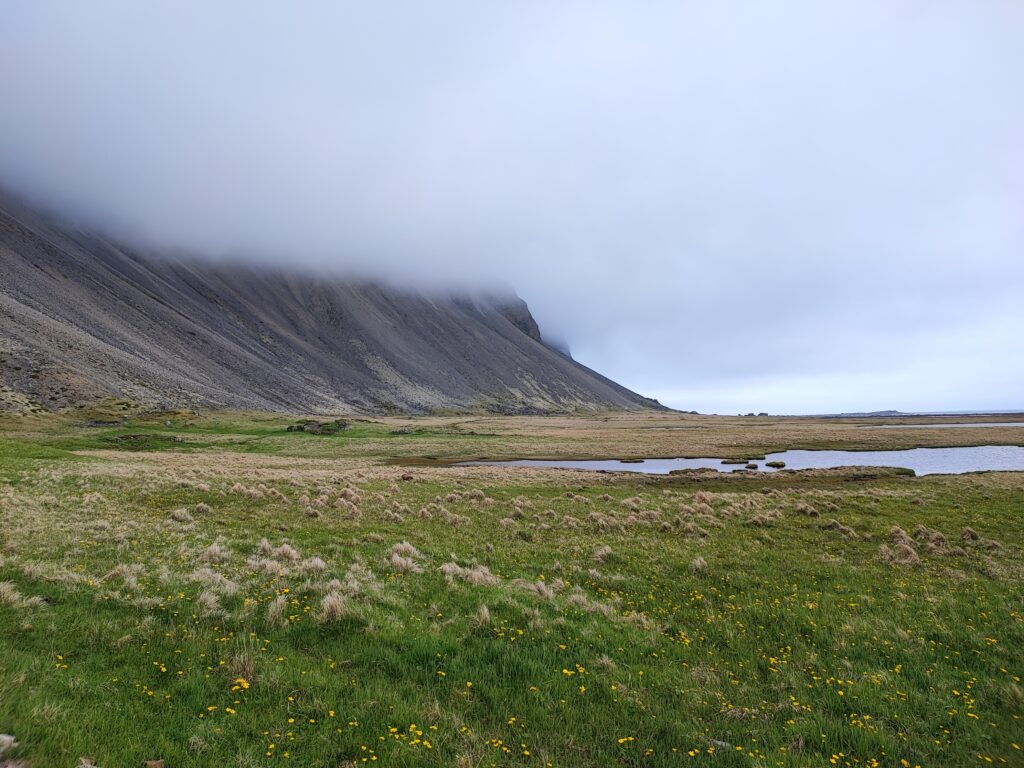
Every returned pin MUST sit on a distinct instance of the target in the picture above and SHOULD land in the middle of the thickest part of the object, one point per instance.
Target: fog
(792, 207)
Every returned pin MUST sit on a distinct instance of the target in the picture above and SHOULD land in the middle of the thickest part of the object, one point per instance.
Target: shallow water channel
(961, 425)
(924, 461)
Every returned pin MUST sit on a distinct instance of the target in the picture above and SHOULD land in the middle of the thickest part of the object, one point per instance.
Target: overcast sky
(792, 207)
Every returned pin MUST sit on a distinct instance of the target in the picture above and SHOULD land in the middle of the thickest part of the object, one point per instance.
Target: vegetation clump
(313, 427)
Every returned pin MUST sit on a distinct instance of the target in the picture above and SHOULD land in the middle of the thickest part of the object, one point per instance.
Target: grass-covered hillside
(221, 592)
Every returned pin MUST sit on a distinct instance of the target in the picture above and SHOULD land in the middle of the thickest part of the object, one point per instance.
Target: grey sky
(731, 206)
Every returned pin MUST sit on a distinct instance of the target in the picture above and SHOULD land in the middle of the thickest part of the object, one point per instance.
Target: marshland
(214, 589)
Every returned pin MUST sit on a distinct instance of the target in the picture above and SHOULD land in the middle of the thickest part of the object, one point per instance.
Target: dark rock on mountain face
(83, 318)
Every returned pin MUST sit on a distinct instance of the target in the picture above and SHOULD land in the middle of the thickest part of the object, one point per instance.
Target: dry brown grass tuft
(285, 552)
(277, 611)
(7, 742)
(897, 536)
(312, 565)
(127, 574)
(9, 594)
(601, 554)
(477, 575)
(700, 508)
(534, 620)
(932, 540)
(640, 621)
(899, 554)
(182, 515)
(806, 509)
(405, 549)
(209, 604)
(358, 578)
(216, 553)
(482, 620)
(400, 564)
(451, 518)
(604, 661)
(352, 495)
(602, 522)
(333, 607)
(538, 588)
(266, 566)
(214, 581)
(480, 576)
(349, 510)
(699, 565)
(842, 530)
(693, 531)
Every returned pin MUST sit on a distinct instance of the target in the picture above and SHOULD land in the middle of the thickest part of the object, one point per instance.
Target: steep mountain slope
(83, 318)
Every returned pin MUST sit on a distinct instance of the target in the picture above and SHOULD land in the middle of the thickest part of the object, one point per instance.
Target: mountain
(85, 317)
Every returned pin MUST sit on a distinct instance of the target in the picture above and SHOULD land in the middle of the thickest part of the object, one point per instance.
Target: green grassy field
(218, 592)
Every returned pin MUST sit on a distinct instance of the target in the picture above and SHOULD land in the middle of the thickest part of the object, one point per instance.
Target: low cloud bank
(794, 208)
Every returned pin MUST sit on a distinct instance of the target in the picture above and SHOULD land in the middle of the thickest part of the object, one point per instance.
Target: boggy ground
(218, 592)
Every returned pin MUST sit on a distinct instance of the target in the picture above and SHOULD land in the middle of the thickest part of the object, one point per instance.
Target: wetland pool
(923, 461)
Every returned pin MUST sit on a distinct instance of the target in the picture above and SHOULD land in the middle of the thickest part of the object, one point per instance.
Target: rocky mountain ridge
(85, 317)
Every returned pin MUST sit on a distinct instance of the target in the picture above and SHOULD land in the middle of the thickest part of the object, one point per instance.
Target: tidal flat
(215, 590)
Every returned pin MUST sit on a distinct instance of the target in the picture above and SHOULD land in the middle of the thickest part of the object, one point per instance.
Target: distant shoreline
(902, 414)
